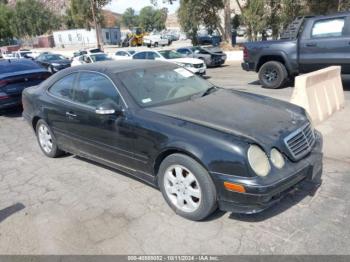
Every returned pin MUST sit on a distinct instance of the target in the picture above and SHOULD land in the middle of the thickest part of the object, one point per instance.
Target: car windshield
(162, 85)
(54, 57)
(100, 57)
(131, 52)
(170, 54)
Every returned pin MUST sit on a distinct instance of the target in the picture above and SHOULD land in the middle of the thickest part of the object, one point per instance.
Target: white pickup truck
(155, 40)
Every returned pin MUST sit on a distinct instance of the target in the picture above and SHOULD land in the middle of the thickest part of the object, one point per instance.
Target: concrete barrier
(320, 93)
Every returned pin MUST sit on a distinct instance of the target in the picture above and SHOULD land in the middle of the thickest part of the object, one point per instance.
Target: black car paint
(304, 53)
(137, 140)
(24, 73)
(212, 56)
(54, 65)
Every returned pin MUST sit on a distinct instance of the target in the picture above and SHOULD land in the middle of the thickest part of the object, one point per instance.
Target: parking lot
(72, 206)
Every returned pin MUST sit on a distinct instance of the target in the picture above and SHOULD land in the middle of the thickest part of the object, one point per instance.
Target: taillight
(3, 83)
(245, 53)
(3, 96)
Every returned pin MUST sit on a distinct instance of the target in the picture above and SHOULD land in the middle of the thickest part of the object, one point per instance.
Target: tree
(194, 13)
(6, 15)
(32, 18)
(129, 18)
(152, 19)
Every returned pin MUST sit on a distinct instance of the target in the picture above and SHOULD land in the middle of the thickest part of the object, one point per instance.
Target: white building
(86, 38)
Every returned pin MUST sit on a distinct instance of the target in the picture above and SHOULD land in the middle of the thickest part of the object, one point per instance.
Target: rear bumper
(246, 66)
(10, 102)
(260, 197)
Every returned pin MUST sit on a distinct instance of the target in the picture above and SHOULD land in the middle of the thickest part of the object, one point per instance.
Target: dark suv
(308, 44)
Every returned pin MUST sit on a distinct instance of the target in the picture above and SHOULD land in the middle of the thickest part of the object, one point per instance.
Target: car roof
(17, 61)
(113, 67)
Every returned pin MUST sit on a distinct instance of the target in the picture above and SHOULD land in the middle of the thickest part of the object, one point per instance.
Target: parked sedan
(211, 56)
(194, 65)
(203, 146)
(53, 62)
(90, 58)
(16, 75)
(123, 54)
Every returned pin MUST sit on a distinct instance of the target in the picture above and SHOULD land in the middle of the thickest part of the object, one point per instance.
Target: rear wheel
(46, 140)
(187, 187)
(273, 74)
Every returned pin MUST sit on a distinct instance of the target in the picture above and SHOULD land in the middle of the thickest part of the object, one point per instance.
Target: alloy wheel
(182, 188)
(45, 139)
(270, 75)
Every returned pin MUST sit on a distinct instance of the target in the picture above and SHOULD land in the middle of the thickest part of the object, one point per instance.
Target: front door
(57, 107)
(325, 44)
(105, 137)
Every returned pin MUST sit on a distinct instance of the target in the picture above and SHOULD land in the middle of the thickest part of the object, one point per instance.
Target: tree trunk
(227, 21)
(93, 10)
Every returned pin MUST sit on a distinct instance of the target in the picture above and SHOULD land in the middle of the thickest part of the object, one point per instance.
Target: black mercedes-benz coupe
(203, 146)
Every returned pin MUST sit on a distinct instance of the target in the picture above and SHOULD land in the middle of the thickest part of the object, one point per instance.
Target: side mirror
(109, 109)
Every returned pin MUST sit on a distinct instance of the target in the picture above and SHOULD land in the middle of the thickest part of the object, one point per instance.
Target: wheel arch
(267, 58)
(174, 150)
(35, 120)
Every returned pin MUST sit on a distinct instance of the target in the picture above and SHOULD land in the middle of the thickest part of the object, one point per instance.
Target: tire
(197, 204)
(273, 74)
(155, 44)
(54, 151)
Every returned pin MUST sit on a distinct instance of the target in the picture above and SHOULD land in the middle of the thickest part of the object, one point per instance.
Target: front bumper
(260, 196)
(197, 71)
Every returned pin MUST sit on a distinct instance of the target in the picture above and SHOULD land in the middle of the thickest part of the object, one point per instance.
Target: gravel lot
(72, 206)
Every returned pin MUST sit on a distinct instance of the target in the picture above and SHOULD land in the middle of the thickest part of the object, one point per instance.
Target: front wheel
(187, 187)
(273, 74)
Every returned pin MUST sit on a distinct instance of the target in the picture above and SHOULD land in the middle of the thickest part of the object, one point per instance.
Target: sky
(119, 6)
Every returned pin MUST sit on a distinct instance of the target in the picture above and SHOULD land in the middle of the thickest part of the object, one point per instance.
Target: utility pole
(93, 9)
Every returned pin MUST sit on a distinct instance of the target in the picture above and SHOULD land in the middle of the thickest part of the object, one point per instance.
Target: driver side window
(95, 90)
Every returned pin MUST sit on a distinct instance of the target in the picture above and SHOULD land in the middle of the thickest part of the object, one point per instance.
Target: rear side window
(141, 55)
(152, 55)
(328, 28)
(95, 90)
(63, 88)
(17, 66)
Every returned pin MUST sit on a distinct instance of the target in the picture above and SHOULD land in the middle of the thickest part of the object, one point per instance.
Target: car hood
(187, 60)
(260, 119)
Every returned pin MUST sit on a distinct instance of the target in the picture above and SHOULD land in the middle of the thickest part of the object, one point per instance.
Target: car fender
(276, 53)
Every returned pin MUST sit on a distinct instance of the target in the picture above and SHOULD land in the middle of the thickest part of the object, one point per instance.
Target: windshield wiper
(209, 90)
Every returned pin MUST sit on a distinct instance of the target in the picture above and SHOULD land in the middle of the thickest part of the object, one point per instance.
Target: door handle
(311, 44)
(69, 114)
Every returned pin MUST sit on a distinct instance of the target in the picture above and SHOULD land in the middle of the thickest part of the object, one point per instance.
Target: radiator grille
(300, 142)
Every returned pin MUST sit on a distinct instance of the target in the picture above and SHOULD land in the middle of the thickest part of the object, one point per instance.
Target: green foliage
(149, 18)
(193, 13)
(6, 15)
(152, 19)
(129, 18)
(79, 13)
(236, 21)
(32, 18)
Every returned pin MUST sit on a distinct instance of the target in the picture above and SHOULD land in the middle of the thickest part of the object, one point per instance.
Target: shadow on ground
(9, 211)
(11, 112)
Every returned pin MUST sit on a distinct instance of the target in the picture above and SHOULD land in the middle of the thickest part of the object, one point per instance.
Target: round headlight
(277, 158)
(258, 160)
